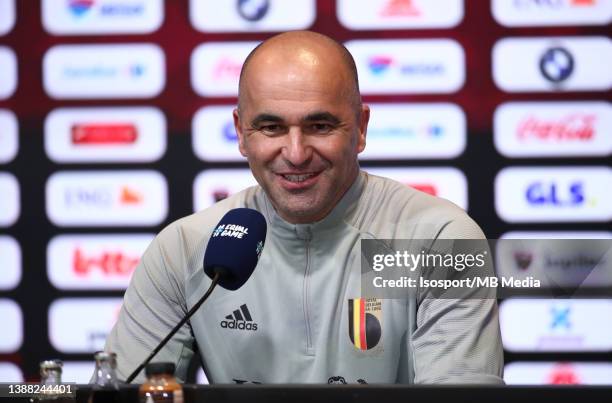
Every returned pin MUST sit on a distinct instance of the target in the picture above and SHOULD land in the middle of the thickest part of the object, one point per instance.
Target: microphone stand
(215, 280)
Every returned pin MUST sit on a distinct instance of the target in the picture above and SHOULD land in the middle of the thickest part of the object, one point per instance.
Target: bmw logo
(557, 64)
(253, 10)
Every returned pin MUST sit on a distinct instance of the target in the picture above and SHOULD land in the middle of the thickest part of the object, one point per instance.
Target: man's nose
(296, 150)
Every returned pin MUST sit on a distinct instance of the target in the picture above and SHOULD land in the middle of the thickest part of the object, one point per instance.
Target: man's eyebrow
(321, 116)
(265, 117)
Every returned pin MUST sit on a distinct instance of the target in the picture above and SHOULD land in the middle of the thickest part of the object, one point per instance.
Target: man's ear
(363, 127)
(238, 129)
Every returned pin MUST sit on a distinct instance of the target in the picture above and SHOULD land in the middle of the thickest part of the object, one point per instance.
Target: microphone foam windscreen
(235, 246)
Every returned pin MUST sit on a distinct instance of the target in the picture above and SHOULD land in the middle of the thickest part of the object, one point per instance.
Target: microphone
(230, 258)
(234, 247)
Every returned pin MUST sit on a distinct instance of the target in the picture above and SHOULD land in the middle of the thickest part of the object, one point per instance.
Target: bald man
(301, 317)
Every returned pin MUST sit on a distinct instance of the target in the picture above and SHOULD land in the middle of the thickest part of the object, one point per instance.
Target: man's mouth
(297, 178)
(298, 181)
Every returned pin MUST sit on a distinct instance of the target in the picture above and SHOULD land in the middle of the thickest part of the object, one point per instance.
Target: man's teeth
(298, 178)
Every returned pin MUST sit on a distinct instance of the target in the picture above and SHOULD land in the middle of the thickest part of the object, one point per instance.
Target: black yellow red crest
(365, 315)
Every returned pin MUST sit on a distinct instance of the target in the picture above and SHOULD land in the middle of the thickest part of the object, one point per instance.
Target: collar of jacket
(343, 209)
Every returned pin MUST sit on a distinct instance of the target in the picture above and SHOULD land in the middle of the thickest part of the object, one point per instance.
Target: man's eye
(320, 127)
(270, 128)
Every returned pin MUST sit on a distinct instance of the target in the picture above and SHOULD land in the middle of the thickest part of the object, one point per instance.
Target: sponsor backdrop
(115, 119)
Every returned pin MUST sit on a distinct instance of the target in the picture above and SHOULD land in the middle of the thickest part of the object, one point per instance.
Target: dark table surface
(370, 393)
(377, 393)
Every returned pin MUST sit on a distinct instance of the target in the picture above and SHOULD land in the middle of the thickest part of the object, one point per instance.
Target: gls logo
(542, 193)
(240, 319)
(554, 194)
(230, 230)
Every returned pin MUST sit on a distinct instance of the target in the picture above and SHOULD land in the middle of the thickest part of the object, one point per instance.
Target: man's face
(301, 135)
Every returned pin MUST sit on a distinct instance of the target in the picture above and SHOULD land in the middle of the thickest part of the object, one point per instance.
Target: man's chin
(302, 213)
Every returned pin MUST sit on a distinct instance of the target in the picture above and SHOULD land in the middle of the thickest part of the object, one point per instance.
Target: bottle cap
(51, 364)
(160, 368)
(105, 356)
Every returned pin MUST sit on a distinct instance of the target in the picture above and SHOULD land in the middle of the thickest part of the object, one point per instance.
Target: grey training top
(300, 317)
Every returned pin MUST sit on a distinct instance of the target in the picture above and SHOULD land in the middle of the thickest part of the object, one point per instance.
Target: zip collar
(343, 209)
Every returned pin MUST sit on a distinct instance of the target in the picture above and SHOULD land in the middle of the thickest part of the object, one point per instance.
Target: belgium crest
(364, 322)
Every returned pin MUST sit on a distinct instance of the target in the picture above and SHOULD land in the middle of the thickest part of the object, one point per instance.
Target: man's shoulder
(414, 213)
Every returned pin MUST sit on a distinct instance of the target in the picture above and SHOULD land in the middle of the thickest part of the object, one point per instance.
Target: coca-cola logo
(576, 126)
(109, 263)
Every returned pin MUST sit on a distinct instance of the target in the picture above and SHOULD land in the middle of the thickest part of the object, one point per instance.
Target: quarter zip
(306, 301)
(305, 233)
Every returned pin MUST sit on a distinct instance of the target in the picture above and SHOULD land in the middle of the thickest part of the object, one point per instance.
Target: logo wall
(558, 373)
(118, 134)
(8, 67)
(215, 67)
(97, 17)
(556, 324)
(562, 264)
(10, 202)
(399, 14)
(9, 136)
(417, 66)
(448, 183)
(95, 262)
(213, 135)
(104, 71)
(11, 337)
(7, 18)
(10, 262)
(214, 185)
(556, 194)
(81, 325)
(552, 64)
(10, 372)
(553, 129)
(106, 198)
(527, 13)
(415, 131)
(252, 15)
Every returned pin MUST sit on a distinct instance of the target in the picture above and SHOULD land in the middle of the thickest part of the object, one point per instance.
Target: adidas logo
(239, 319)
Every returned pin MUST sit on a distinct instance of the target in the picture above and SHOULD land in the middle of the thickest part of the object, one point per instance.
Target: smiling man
(302, 317)
(301, 123)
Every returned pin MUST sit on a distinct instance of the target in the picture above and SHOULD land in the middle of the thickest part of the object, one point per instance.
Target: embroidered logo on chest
(365, 322)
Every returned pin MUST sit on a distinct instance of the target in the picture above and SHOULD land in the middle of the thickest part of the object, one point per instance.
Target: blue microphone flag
(234, 247)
